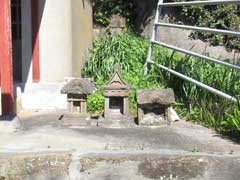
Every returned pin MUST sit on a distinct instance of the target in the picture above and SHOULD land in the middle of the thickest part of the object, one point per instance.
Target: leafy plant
(103, 9)
(226, 17)
(195, 150)
(95, 102)
(231, 124)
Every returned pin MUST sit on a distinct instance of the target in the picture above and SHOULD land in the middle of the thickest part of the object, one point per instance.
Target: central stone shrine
(116, 93)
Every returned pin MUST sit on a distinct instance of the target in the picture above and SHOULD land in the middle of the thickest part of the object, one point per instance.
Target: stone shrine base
(68, 119)
(117, 122)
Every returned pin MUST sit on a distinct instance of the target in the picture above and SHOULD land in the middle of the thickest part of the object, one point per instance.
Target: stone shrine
(153, 106)
(116, 93)
(77, 91)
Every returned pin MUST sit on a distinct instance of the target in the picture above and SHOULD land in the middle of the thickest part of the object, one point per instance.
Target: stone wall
(181, 38)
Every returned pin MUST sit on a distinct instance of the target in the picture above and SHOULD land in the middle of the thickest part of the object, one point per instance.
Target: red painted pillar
(6, 58)
(35, 42)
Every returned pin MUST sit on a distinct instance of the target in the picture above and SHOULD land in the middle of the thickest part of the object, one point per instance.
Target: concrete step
(159, 165)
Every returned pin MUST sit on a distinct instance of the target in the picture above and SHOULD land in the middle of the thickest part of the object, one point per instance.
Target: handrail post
(153, 36)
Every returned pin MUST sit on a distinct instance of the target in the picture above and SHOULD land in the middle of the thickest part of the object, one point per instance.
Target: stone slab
(151, 119)
(43, 131)
(116, 122)
(78, 165)
(75, 120)
(156, 96)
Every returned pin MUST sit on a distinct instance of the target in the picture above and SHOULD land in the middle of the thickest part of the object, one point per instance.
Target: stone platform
(44, 149)
(68, 119)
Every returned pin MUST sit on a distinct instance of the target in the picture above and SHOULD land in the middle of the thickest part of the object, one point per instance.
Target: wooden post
(6, 58)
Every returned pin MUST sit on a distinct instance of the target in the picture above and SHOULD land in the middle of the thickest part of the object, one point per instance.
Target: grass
(193, 103)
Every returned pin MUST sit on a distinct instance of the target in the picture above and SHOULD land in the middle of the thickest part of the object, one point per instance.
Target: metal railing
(195, 28)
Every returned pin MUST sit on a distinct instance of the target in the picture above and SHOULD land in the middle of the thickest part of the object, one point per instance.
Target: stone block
(117, 21)
(156, 96)
(152, 119)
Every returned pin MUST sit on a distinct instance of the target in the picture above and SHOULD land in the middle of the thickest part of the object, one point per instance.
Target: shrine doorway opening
(116, 105)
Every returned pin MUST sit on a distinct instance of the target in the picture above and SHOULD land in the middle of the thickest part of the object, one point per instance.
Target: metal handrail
(190, 3)
(203, 29)
(226, 32)
(200, 84)
(197, 55)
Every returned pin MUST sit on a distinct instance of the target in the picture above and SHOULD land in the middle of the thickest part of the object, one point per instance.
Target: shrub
(226, 17)
(231, 123)
(95, 102)
(103, 9)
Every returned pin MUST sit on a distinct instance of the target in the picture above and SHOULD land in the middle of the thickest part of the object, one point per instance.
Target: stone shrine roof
(116, 81)
(79, 86)
(156, 96)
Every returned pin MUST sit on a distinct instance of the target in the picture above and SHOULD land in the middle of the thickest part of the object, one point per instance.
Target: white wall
(55, 38)
(82, 32)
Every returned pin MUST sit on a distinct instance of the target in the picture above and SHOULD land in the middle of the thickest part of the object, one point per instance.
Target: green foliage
(195, 150)
(103, 9)
(95, 102)
(206, 108)
(128, 50)
(194, 103)
(231, 125)
(220, 17)
(225, 17)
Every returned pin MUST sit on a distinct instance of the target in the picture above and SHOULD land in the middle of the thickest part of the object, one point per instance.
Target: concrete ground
(43, 133)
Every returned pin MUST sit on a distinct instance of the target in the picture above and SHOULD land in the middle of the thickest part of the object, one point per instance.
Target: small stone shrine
(116, 96)
(77, 91)
(153, 106)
